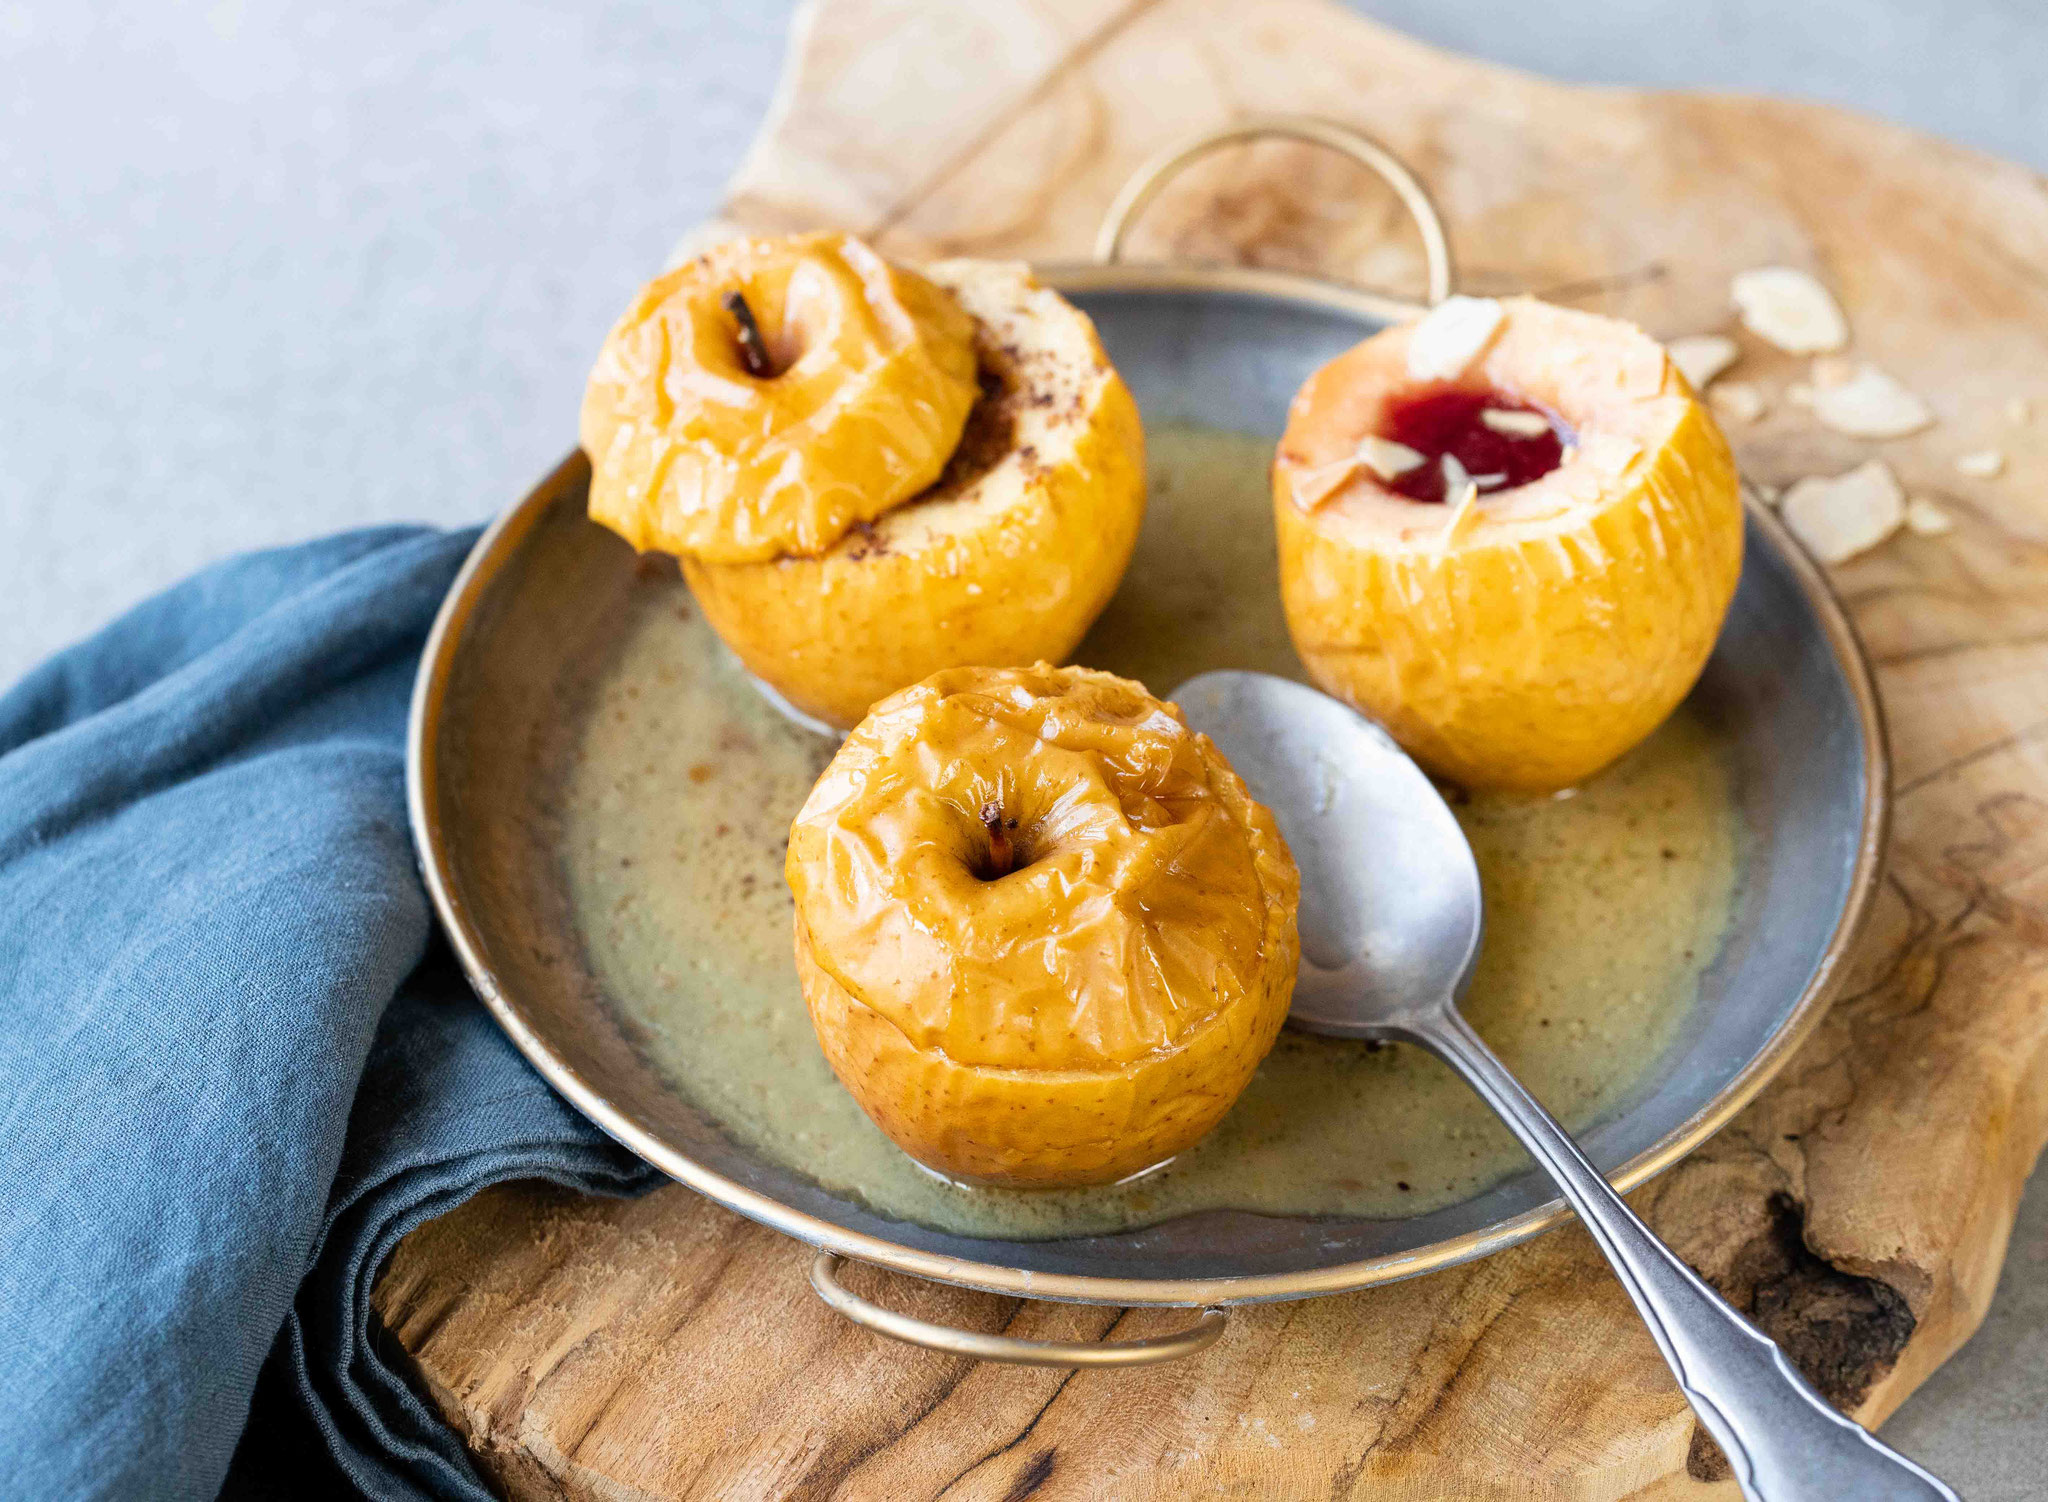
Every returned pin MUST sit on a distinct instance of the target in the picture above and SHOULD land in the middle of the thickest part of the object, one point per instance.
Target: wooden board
(1860, 1208)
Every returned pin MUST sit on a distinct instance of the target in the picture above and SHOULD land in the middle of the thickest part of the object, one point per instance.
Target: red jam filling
(1451, 420)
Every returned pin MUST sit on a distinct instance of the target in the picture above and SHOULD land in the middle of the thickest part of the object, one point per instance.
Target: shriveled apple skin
(692, 454)
(1078, 1019)
(1025, 1128)
(1007, 560)
(1554, 633)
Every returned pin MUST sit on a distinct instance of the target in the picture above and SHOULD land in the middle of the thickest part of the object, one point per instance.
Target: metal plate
(530, 612)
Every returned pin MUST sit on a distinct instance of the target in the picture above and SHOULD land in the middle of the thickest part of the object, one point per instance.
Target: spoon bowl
(1391, 930)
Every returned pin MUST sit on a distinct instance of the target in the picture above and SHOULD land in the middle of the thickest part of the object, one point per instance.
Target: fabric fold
(232, 1072)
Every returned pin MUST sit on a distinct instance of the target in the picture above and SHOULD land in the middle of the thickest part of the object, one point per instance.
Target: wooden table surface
(1859, 1208)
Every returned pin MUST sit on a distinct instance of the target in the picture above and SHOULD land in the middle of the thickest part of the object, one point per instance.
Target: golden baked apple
(1044, 932)
(1008, 559)
(868, 473)
(1509, 533)
(768, 395)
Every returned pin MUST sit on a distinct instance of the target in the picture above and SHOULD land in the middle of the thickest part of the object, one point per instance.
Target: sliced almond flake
(1386, 459)
(1790, 309)
(1927, 519)
(2019, 411)
(1463, 515)
(1839, 516)
(1612, 452)
(1736, 401)
(1867, 403)
(1984, 464)
(1799, 394)
(1451, 336)
(1701, 357)
(1515, 424)
(1311, 487)
(1490, 482)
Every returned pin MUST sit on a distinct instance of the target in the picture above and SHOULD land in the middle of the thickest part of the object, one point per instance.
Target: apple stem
(753, 348)
(1002, 851)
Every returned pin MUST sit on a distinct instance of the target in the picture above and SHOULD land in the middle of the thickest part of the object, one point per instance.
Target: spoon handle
(1785, 1442)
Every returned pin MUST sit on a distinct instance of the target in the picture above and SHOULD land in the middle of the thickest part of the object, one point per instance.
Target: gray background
(269, 271)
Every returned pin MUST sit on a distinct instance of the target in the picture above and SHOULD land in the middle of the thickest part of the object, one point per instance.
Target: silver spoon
(1390, 927)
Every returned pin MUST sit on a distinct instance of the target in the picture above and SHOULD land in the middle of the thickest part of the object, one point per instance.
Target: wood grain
(1859, 1208)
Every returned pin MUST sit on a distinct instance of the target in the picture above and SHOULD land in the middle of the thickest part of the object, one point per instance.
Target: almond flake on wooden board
(1386, 459)
(1926, 519)
(1736, 401)
(1515, 424)
(1451, 336)
(1790, 309)
(1839, 516)
(1983, 464)
(1701, 357)
(1862, 401)
(1311, 487)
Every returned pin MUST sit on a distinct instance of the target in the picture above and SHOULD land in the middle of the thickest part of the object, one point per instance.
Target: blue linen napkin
(233, 1071)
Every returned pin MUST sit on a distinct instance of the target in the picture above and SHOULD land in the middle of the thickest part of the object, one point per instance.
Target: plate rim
(500, 541)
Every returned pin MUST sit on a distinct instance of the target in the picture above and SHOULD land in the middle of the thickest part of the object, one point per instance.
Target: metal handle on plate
(1199, 1336)
(1154, 174)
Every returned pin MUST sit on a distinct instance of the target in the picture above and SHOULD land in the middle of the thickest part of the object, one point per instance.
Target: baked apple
(1044, 932)
(1008, 559)
(955, 477)
(1509, 532)
(769, 395)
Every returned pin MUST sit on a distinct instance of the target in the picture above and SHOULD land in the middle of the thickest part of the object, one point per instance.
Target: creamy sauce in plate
(1603, 906)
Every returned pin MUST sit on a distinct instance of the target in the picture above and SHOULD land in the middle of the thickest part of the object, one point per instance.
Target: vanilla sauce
(1603, 907)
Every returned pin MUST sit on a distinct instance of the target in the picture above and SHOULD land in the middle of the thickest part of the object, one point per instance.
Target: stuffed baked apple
(1044, 932)
(1509, 533)
(869, 473)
